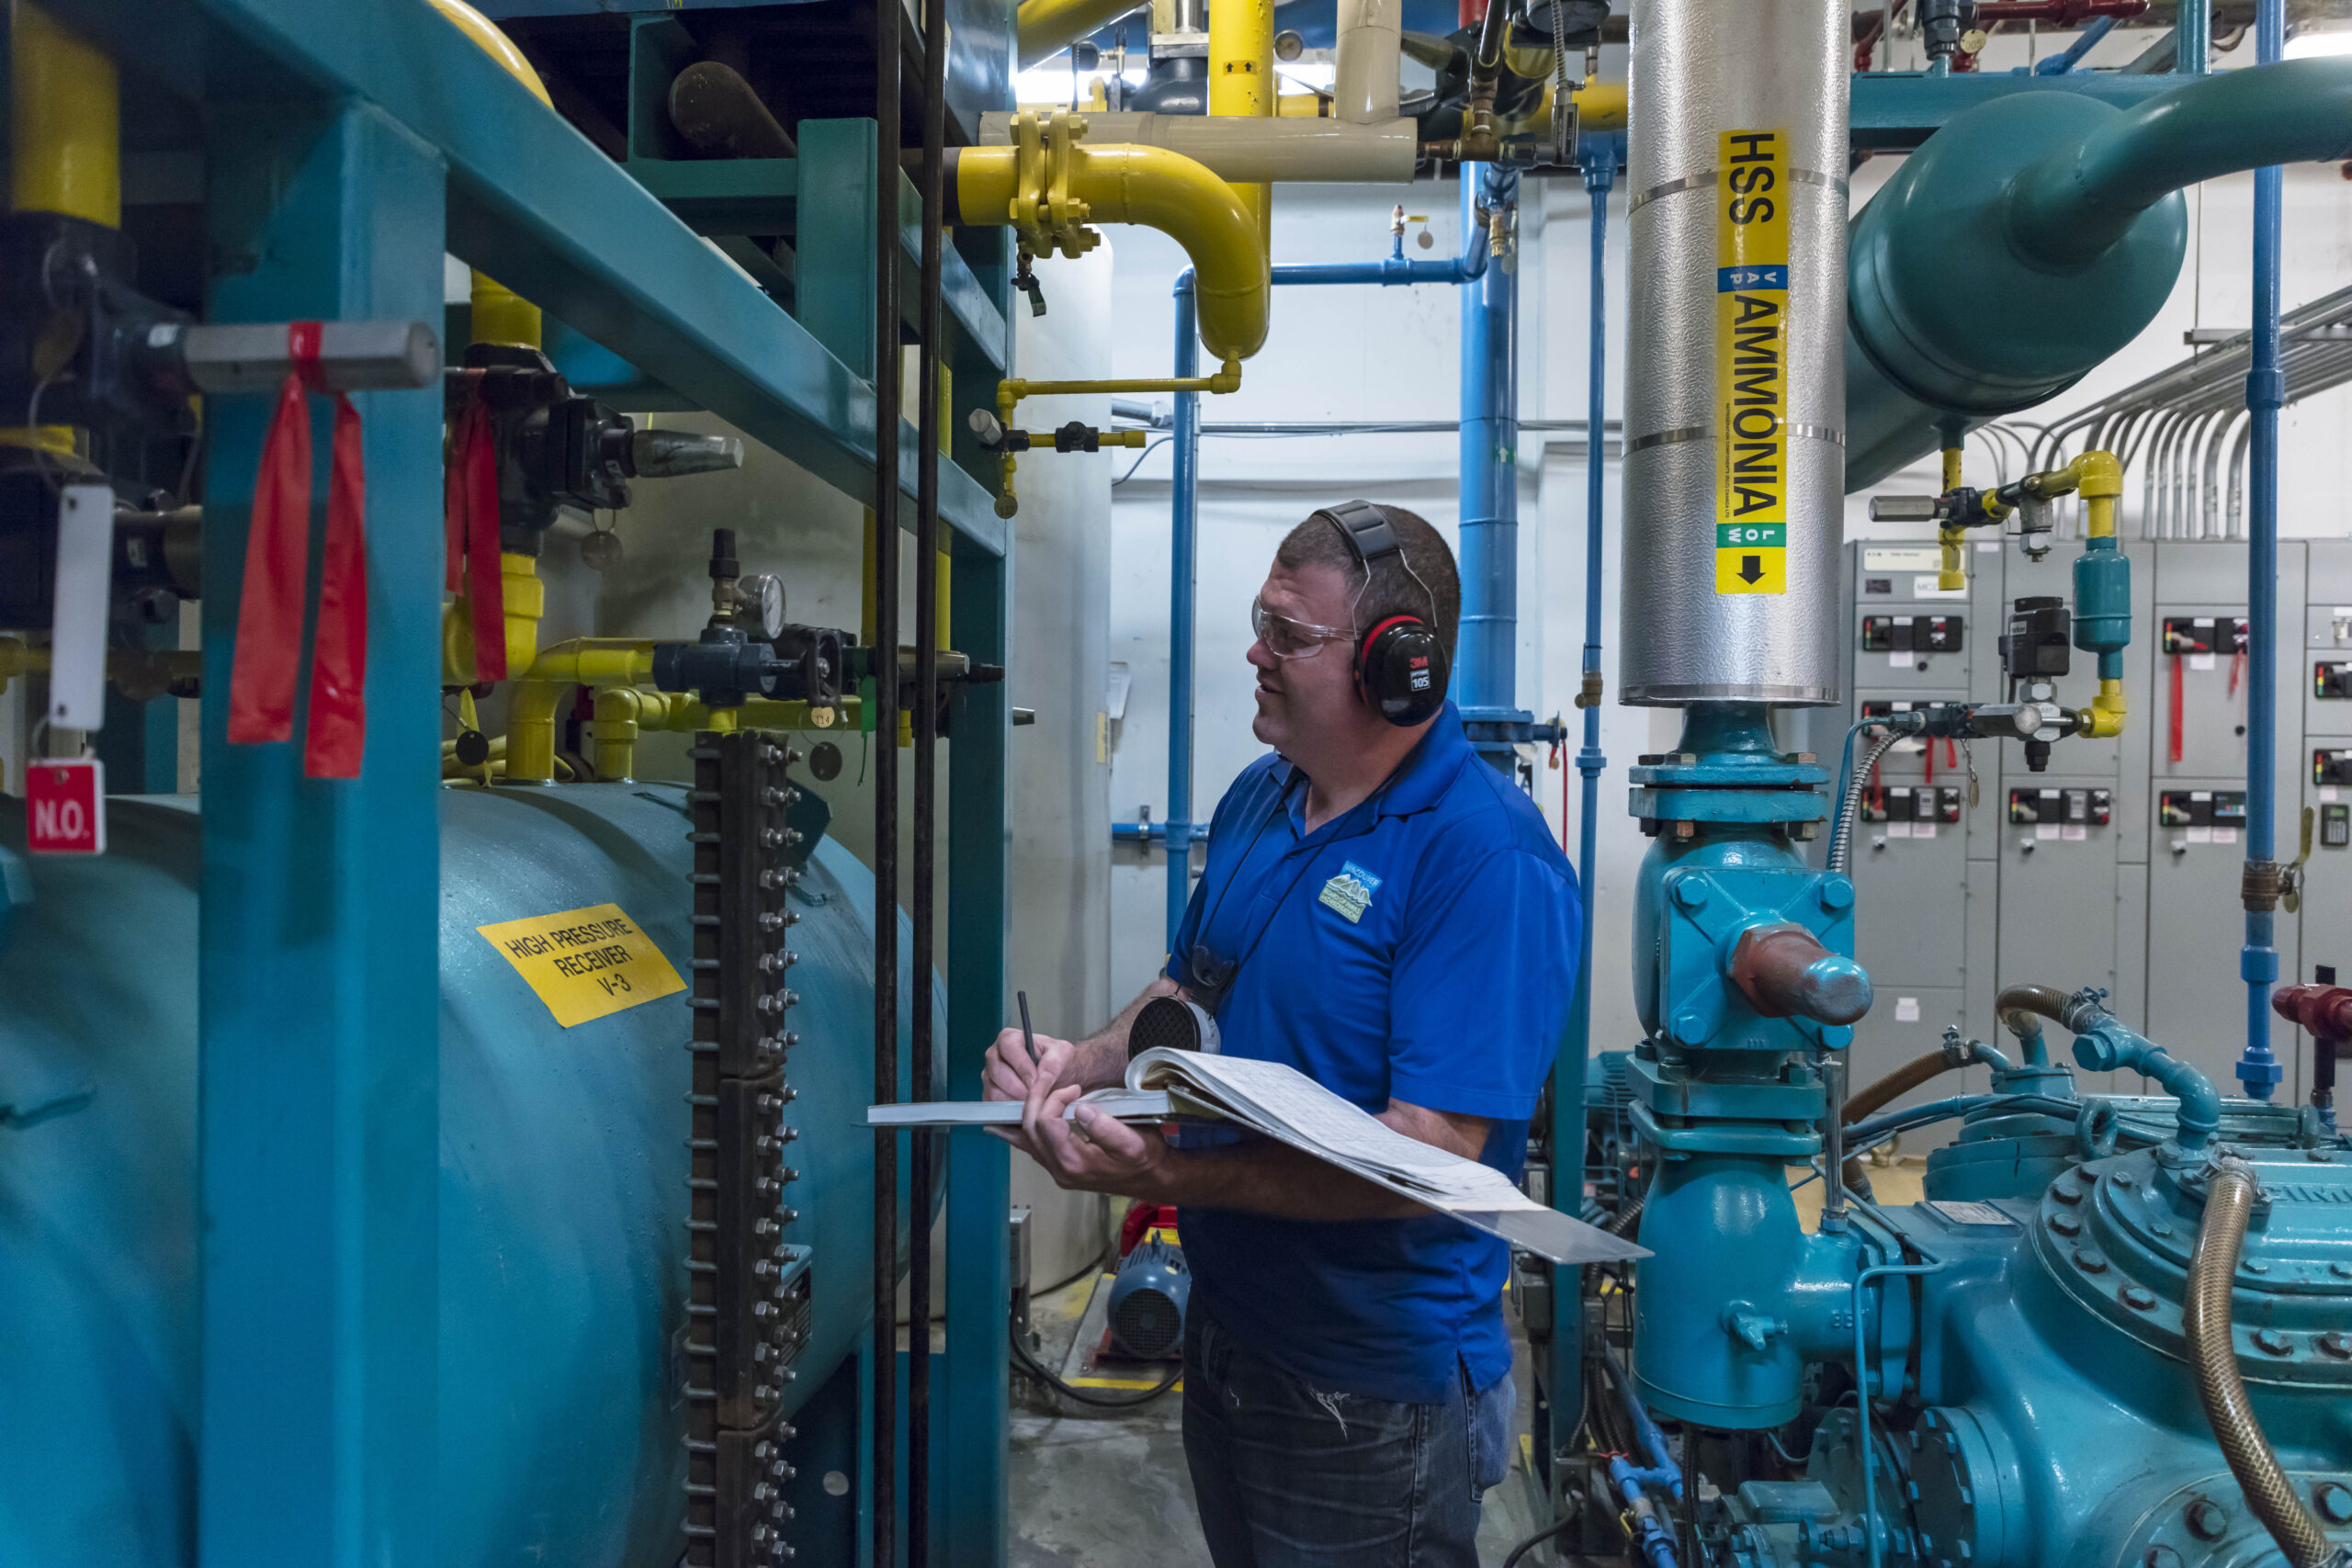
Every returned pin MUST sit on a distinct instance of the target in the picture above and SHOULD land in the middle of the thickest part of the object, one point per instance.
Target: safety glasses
(1286, 638)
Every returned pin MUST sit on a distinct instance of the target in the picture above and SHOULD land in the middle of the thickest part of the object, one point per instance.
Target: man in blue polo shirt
(1390, 916)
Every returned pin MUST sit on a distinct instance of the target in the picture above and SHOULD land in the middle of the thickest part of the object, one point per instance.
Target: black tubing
(1036, 1369)
(2205, 1319)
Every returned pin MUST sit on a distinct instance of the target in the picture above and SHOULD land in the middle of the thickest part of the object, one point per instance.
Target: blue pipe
(1661, 1472)
(1487, 661)
(1183, 538)
(1568, 1072)
(2266, 387)
(1184, 532)
(2059, 64)
(1468, 268)
(2192, 38)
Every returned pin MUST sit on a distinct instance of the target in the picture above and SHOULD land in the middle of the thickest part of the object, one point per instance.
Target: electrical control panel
(2323, 775)
(2196, 741)
(1920, 856)
(2117, 864)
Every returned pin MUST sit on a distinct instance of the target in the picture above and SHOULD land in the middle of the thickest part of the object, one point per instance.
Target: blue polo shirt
(1420, 947)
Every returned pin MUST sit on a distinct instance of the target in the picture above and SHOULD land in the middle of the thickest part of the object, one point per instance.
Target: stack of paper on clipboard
(1280, 1102)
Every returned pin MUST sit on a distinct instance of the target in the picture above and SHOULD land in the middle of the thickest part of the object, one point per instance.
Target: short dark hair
(1392, 591)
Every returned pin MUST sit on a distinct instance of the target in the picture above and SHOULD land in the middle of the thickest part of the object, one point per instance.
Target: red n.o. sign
(65, 806)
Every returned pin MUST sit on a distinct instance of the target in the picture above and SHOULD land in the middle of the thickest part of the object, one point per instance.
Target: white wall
(1374, 354)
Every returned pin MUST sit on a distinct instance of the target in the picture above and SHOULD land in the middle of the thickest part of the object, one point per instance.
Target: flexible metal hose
(2229, 1199)
(1842, 842)
(1900, 1082)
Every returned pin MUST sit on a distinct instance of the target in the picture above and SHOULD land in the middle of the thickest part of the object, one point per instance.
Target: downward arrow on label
(1751, 568)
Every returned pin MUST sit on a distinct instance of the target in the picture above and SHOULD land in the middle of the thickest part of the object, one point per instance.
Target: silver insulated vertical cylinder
(1735, 386)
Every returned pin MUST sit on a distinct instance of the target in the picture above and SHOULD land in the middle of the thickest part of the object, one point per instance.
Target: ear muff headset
(1400, 665)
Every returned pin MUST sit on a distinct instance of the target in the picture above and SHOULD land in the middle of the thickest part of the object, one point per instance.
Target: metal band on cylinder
(1734, 418)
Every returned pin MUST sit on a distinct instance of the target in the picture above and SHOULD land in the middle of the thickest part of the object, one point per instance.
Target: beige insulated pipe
(1364, 87)
(1254, 151)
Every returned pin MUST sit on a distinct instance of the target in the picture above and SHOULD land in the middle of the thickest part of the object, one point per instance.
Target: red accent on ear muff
(1363, 648)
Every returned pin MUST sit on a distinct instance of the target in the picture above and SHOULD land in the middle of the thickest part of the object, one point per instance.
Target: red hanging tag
(337, 738)
(453, 504)
(485, 581)
(277, 543)
(2172, 746)
(469, 504)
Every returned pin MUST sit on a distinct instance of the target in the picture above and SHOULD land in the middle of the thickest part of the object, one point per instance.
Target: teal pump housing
(1743, 975)
(2032, 237)
(564, 1199)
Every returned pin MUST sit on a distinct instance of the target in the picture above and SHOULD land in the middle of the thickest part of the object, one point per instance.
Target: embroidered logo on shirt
(1350, 893)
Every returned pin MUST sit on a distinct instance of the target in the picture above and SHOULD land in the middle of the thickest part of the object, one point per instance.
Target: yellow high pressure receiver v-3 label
(585, 963)
(1751, 363)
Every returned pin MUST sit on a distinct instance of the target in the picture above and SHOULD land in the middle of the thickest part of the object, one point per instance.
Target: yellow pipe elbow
(1157, 189)
(1225, 238)
(65, 124)
(2098, 474)
(537, 696)
(2107, 710)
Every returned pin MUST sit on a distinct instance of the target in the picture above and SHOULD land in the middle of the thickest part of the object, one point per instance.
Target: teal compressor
(563, 1192)
(2061, 1358)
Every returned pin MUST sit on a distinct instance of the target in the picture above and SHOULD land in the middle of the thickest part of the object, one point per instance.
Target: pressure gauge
(759, 602)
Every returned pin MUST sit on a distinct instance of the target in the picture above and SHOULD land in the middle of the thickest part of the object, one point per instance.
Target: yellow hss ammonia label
(585, 963)
(1751, 363)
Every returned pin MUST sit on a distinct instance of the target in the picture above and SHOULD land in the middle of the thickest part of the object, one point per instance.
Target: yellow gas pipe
(1050, 185)
(500, 316)
(594, 662)
(1953, 577)
(1241, 82)
(66, 139)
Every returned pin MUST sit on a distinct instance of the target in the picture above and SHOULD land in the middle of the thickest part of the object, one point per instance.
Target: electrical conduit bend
(2212, 1350)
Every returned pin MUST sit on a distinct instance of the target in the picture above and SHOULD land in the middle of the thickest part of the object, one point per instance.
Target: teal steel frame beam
(319, 957)
(971, 1402)
(532, 202)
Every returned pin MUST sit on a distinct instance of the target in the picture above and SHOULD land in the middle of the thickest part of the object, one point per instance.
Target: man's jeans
(1288, 1475)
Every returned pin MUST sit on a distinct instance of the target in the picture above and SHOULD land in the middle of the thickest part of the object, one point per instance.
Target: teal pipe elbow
(2035, 235)
(2069, 208)
(2103, 1044)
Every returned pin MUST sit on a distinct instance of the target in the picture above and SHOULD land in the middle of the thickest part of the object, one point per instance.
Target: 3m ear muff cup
(1401, 668)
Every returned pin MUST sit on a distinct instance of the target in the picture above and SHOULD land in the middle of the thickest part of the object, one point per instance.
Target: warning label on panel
(585, 963)
(1751, 363)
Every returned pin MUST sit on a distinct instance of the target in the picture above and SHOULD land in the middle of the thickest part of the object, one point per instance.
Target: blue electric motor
(1147, 1301)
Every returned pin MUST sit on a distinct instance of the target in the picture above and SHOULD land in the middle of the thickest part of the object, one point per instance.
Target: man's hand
(1009, 1073)
(1091, 1152)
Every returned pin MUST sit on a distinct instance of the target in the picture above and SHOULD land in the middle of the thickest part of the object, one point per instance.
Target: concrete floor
(1108, 1488)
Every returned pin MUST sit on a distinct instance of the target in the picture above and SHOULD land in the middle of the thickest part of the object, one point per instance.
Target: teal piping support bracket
(972, 1400)
(318, 988)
